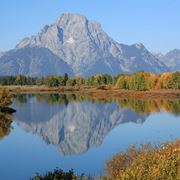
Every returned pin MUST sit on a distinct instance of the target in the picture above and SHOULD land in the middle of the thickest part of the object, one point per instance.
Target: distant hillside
(172, 60)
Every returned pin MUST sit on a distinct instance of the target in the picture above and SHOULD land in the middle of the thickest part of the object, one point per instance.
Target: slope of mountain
(158, 55)
(32, 61)
(172, 60)
(87, 49)
(2, 53)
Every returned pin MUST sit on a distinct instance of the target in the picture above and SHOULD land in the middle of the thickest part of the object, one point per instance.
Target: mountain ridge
(172, 59)
(87, 49)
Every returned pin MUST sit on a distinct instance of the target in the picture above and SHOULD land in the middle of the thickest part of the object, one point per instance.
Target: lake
(79, 132)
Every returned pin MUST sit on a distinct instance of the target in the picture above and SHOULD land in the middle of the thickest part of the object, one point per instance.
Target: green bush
(59, 174)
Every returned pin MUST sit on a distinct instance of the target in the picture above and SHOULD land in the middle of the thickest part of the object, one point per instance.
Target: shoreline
(94, 92)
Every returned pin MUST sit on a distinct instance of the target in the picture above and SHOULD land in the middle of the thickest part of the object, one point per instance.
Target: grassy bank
(151, 94)
(99, 92)
(39, 89)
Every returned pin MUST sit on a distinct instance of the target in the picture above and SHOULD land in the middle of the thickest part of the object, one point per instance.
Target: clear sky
(155, 23)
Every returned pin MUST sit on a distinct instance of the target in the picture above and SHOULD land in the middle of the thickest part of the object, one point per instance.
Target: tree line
(147, 81)
(137, 81)
(57, 80)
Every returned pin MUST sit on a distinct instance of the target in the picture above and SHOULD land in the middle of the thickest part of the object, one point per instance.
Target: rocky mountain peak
(139, 45)
(88, 50)
(174, 52)
(66, 18)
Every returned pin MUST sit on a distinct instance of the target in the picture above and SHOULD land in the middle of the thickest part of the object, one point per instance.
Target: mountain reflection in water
(75, 123)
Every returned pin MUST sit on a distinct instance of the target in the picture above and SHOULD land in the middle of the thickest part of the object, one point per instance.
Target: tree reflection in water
(5, 124)
(150, 106)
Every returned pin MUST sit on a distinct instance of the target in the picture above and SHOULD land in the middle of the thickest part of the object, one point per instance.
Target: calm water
(50, 131)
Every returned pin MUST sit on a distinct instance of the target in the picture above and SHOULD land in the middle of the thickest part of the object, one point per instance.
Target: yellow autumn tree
(166, 80)
(5, 97)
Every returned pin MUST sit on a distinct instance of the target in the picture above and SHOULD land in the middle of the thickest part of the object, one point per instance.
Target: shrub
(59, 174)
(5, 97)
(146, 163)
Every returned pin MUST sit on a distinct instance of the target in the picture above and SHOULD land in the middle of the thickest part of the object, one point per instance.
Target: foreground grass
(146, 163)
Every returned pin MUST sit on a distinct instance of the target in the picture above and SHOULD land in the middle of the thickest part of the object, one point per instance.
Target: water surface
(73, 131)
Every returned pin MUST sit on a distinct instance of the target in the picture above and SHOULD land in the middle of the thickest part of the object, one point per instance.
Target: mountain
(159, 55)
(2, 53)
(73, 127)
(33, 61)
(172, 60)
(85, 47)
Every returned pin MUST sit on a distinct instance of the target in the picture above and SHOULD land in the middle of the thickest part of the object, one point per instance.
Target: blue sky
(155, 23)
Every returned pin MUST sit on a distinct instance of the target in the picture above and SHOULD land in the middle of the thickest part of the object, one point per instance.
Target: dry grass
(152, 94)
(146, 163)
(40, 89)
(98, 92)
